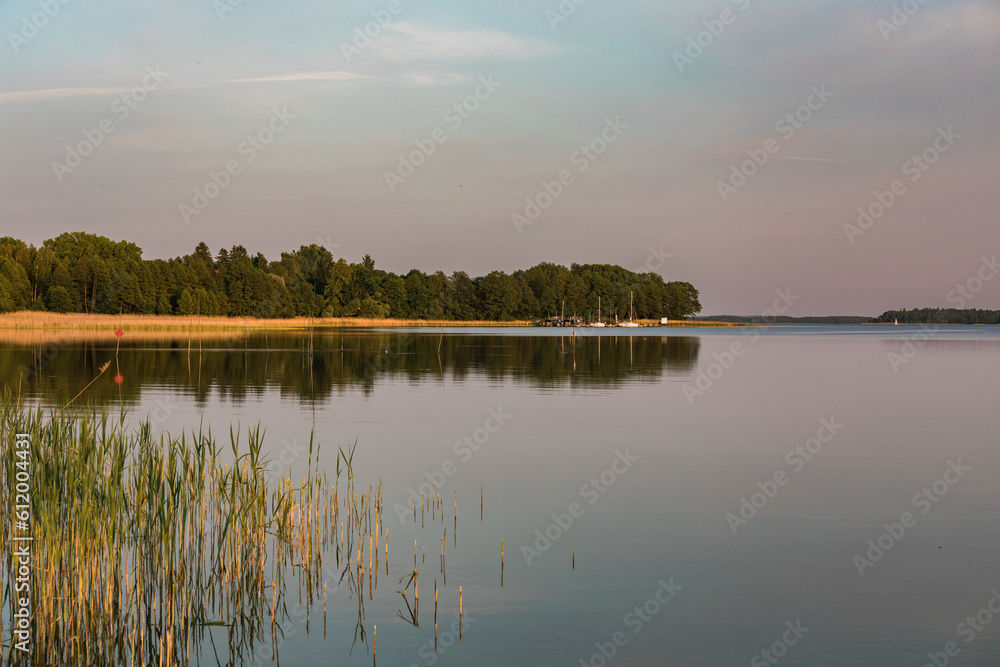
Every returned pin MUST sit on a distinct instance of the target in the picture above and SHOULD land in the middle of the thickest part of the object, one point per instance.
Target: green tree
(462, 300)
(78, 271)
(370, 307)
(498, 296)
(186, 305)
(239, 305)
(683, 300)
(14, 286)
(7, 304)
(394, 295)
(163, 306)
(59, 300)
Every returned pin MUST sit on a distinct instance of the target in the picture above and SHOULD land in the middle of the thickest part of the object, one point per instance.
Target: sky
(843, 153)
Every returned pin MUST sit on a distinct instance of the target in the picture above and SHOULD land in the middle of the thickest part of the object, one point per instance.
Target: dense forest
(940, 316)
(78, 272)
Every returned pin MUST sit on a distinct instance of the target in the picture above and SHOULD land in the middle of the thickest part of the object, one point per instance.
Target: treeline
(78, 272)
(940, 316)
(785, 319)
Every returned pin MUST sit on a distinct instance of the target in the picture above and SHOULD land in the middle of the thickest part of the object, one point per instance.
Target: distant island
(940, 316)
(77, 272)
(916, 316)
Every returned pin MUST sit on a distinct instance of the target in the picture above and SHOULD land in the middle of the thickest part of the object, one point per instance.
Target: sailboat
(599, 322)
(631, 314)
(896, 322)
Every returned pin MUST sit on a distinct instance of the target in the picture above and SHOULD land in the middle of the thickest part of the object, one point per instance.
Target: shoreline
(41, 321)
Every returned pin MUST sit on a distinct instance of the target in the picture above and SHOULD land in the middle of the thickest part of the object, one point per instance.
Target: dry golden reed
(28, 320)
(143, 544)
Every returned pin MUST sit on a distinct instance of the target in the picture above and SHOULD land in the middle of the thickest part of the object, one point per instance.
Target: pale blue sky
(323, 177)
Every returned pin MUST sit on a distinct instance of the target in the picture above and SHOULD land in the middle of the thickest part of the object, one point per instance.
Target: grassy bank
(690, 323)
(29, 320)
(36, 321)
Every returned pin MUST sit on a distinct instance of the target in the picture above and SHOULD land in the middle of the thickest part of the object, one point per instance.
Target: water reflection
(311, 367)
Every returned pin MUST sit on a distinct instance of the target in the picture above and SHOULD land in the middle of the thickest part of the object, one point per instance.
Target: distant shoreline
(41, 321)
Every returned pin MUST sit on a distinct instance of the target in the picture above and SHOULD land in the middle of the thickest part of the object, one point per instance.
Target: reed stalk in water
(143, 544)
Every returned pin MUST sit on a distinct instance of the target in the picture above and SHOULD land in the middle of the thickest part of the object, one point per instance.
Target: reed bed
(686, 323)
(693, 323)
(27, 320)
(143, 545)
(64, 337)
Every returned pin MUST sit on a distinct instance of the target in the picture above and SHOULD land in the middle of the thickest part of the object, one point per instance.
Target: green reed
(143, 544)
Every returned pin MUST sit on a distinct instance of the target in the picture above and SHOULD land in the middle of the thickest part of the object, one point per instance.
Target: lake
(809, 495)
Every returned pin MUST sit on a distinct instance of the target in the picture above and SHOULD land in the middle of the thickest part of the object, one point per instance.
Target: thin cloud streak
(56, 93)
(306, 76)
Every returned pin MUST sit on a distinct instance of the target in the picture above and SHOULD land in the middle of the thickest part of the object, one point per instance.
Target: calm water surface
(718, 487)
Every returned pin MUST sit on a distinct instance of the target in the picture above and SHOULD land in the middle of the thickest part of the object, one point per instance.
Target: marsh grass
(148, 549)
(65, 337)
(31, 320)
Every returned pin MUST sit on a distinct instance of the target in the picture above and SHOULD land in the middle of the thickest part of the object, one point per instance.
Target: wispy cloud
(407, 43)
(55, 93)
(304, 76)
